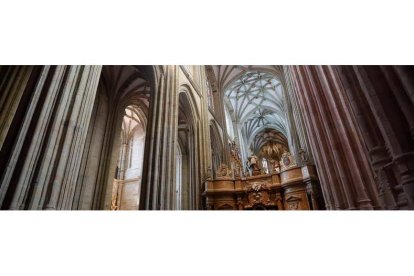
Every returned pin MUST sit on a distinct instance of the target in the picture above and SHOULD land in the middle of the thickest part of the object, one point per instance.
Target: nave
(206, 137)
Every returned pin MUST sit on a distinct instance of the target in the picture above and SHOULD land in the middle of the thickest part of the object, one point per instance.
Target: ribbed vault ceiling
(133, 118)
(220, 76)
(255, 101)
(123, 81)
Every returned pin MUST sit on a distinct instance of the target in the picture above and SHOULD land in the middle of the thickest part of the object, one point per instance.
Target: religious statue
(276, 166)
(253, 166)
(304, 157)
(253, 161)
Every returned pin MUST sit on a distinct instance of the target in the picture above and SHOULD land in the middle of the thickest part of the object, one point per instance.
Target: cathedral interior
(206, 137)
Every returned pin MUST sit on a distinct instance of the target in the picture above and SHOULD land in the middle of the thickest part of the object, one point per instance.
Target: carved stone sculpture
(304, 157)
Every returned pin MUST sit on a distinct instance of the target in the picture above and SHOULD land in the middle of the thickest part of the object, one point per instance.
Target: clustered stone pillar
(220, 113)
(297, 135)
(43, 167)
(204, 140)
(382, 99)
(157, 188)
(337, 146)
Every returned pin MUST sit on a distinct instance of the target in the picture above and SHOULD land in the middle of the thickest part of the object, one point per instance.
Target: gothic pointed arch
(125, 93)
(188, 142)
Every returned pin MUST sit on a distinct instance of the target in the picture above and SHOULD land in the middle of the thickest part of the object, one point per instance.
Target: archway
(186, 161)
(119, 124)
(128, 176)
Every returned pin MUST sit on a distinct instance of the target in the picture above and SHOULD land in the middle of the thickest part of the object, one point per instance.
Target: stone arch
(119, 87)
(188, 141)
(190, 94)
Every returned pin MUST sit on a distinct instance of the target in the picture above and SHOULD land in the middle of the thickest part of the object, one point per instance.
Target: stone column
(20, 98)
(70, 130)
(388, 92)
(242, 143)
(221, 118)
(299, 140)
(91, 195)
(55, 132)
(372, 137)
(338, 148)
(14, 80)
(204, 139)
(160, 149)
